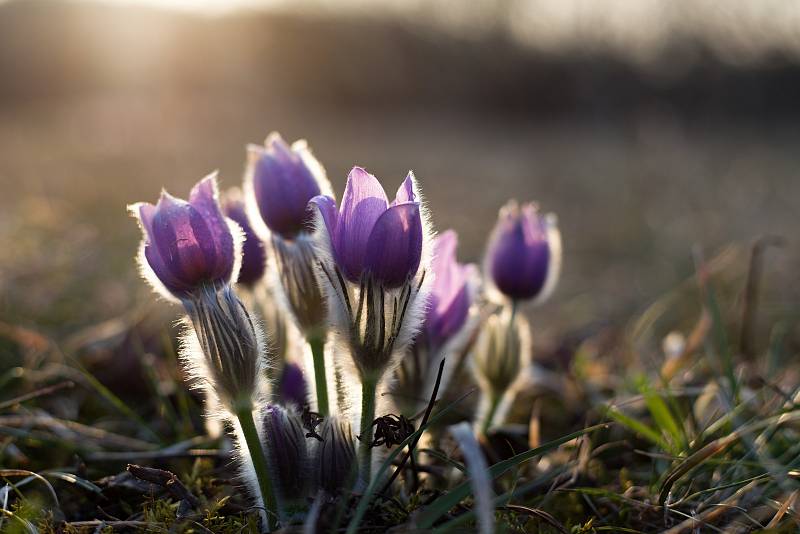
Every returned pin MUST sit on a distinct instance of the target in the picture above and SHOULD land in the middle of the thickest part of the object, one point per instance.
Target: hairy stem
(494, 402)
(317, 343)
(256, 453)
(368, 387)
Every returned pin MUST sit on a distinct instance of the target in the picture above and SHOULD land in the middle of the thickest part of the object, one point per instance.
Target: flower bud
(334, 461)
(283, 180)
(502, 350)
(254, 255)
(187, 245)
(523, 257)
(286, 446)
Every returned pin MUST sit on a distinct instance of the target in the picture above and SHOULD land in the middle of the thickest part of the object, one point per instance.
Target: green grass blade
(638, 427)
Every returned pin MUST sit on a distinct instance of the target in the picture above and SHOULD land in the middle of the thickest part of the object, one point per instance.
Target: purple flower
(370, 235)
(187, 244)
(451, 294)
(283, 180)
(254, 255)
(293, 388)
(524, 253)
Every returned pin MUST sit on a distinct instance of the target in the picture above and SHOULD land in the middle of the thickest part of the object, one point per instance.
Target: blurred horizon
(645, 143)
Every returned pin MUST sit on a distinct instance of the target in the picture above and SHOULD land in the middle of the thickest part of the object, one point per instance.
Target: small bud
(502, 350)
(523, 258)
(335, 464)
(289, 459)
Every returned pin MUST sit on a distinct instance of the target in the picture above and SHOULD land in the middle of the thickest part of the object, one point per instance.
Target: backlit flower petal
(283, 184)
(394, 249)
(364, 201)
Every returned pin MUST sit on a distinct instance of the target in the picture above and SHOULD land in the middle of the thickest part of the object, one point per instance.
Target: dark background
(642, 159)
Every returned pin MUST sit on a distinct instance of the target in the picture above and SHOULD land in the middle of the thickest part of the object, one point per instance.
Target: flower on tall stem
(279, 182)
(190, 253)
(374, 262)
(449, 325)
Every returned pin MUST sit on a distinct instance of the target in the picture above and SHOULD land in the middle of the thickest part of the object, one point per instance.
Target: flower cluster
(301, 314)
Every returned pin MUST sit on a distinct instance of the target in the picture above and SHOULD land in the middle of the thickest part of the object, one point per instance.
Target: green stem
(258, 458)
(494, 402)
(368, 387)
(317, 343)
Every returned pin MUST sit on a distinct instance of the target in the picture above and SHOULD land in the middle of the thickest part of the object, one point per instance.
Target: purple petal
(327, 208)
(293, 387)
(519, 253)
(204, 199)
(183, 243)
(394, 249)
(405, 193)
(146, 211)
(363, 203)
(254, 255)
(283, 185)
(450, 298)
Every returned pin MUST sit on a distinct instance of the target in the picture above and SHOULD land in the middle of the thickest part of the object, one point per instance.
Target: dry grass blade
(706, 517)
(166, 479)
(75, 431)
(706, 452)
(788, 503)
(38, 393)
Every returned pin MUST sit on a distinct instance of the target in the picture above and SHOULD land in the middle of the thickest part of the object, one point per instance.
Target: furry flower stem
(317, 344)
(256, 453)
(368, 388)
(494, 402)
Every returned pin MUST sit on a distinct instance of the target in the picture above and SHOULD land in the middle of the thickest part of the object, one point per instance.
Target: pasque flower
(371, 252)
(190, 252)
(187, 245)
(284, 179)
(279, 182)
(448, 328)
(254, 255)
(523, 258)
(374, 255)
(368, 235)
